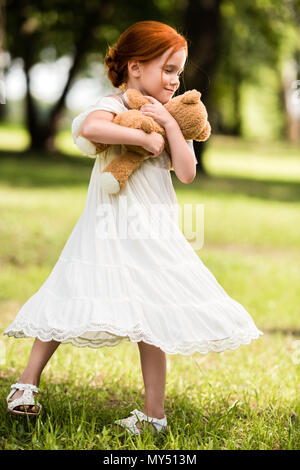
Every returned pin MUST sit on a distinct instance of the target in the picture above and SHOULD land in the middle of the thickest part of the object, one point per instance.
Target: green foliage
(256, 37)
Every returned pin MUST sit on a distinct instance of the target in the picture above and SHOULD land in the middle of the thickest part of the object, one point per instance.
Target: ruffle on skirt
(99, 305)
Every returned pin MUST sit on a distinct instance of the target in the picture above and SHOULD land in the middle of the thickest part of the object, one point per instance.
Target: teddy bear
(187, 109)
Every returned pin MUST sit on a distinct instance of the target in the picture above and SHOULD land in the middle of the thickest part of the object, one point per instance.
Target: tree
(33, 28)
(71, 27)
(227, 40)
(202, 22)
(254, 33)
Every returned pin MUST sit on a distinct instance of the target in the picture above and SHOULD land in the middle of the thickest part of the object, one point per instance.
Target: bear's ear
(191, 97)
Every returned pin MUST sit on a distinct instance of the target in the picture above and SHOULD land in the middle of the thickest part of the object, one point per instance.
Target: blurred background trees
(244, 57)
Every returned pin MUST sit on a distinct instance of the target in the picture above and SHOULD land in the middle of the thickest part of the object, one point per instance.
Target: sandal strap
(158, 423)
(144, 417)
(19, 386)
(27, 397)
(138, 416)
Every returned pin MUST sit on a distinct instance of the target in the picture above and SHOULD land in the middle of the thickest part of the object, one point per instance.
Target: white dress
(111, 283)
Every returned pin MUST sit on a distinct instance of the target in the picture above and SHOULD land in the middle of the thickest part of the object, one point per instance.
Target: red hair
(143, 41)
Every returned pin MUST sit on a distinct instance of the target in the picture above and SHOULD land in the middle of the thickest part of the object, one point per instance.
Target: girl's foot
(144, 424)
(19, 393)
(133, 426)
(153, 414)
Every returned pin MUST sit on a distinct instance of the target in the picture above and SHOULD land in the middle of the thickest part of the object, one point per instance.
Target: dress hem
(187, 349)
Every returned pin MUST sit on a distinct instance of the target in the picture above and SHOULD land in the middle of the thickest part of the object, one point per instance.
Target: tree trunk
(42, 135)
(236, 87)
(202, 24)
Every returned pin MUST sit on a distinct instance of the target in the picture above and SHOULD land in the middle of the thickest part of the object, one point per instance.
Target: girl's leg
(153, 362)
(40, 354)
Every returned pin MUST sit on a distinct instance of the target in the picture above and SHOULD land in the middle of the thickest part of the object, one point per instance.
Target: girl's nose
(175, 81)
(174, 85)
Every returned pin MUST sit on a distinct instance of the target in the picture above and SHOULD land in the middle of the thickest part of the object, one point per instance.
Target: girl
(152, 291)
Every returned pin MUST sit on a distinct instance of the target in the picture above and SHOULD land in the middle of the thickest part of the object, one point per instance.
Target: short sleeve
(106, 103)
(191, 146)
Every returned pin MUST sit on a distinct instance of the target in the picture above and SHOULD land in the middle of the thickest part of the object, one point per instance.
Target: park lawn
(242, 399)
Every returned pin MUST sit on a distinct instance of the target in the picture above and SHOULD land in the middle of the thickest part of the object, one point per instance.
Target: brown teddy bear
(187, 109)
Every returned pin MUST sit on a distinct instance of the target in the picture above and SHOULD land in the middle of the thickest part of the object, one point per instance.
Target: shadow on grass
(73, 415)
(283, 331)
(57, 169)
(273, 190)
(66, 406)
(23, 170)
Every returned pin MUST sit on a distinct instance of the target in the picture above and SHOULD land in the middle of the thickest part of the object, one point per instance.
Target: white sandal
(26, 399)
(160, 425)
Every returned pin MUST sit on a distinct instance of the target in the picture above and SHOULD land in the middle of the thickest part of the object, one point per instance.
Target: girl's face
(154, 79)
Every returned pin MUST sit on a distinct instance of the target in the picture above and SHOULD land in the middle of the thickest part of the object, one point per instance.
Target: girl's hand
(157, 111)
(154, 143)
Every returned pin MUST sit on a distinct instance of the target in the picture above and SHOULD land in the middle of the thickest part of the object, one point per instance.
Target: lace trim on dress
(134, 335)
(97, 334)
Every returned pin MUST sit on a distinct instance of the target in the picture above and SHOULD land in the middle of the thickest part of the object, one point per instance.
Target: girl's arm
(97, 127)
(183, 160)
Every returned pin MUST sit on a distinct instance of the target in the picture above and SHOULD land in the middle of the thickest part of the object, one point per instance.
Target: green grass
(242, 399)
